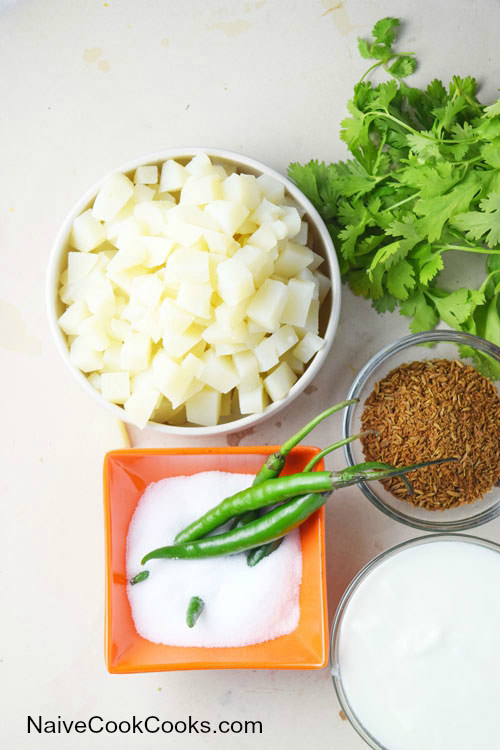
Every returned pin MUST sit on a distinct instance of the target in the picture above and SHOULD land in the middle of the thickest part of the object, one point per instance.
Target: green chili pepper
(275, 462)
(194, 610)
(139, 577)
(259, 553)
(281, 519)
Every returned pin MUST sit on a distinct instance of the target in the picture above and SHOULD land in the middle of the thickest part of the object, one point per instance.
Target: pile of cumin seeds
(436, 408)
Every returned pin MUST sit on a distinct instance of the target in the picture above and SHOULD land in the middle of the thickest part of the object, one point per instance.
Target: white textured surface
(87, 86)
(242, 605)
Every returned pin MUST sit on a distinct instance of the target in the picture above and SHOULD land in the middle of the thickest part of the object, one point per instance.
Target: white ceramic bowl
(330, 309)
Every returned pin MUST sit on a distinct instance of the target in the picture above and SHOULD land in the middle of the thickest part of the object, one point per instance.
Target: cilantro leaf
(484, 223)
(401, 279)
(424, 313)
(424, 178)
(383, 31)
(403, 67)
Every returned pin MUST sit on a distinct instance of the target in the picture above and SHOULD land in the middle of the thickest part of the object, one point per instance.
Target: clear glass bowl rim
(455, 337)
(346, 598)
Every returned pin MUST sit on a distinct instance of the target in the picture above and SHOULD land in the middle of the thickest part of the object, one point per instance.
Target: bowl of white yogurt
(415, 647)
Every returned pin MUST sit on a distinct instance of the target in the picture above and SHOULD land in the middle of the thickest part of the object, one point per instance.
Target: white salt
(243, 605)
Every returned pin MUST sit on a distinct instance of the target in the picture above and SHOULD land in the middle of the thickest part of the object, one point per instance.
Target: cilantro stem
(400, 203)
(377, 65)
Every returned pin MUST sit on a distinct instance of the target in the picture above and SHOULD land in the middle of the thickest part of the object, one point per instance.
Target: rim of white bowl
(242, 423)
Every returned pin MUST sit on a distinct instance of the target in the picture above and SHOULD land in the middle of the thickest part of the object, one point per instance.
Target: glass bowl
(445, 345)
(336, 633)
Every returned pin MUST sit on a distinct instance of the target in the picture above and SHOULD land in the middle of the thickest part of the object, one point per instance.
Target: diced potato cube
(264, 238)
(266, 212)
(141, 405)
(300, 295)
(247, 368)
(87, 232)
(195, 299)
(114, 193)
(95, 380)
(136, 352)
(219, 372)
(146, 289)
(292, 259)
(234, 281)
(178, 344)
(284, 339)
(253, 401)
(72, 318)
(291, 219)
(98, 294)
(127, 257)
(153, 215)
(93, 330)
(142, 193)
(201, 190)
(187, 265)
(175, 380)
(307, 348)
(186, 235)
(271, 188)
(301, 237)
(192, 365)
(163, 412)
(83, 356)
(216, 334)
(194, 387)
(147, 175)
(312, 320)
(230, 317)
(295, 364)
(200, 165)
(257, 261)
(222, 350)
(80, 265)
(193, 215)
(172, 318)
(248, 226)
(316, 261)
(150, 325)
(173, 176)
(143, 381)
(204, 407)
(280, 229)
(267, 305)
(219, 242)
(111, 361)
(229, 215)
(115, 386)
(242, 188)
(279, 382)
(157, 251)
(324, 285)
(266, 355)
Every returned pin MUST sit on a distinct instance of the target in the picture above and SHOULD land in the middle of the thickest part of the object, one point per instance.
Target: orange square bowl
(127, 473)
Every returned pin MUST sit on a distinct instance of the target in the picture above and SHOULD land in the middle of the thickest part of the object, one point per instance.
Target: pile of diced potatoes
(190, 295)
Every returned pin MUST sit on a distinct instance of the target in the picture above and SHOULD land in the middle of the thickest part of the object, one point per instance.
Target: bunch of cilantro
(424, 181)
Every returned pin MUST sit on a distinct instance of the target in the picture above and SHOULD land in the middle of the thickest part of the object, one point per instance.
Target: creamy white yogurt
(419, 648)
